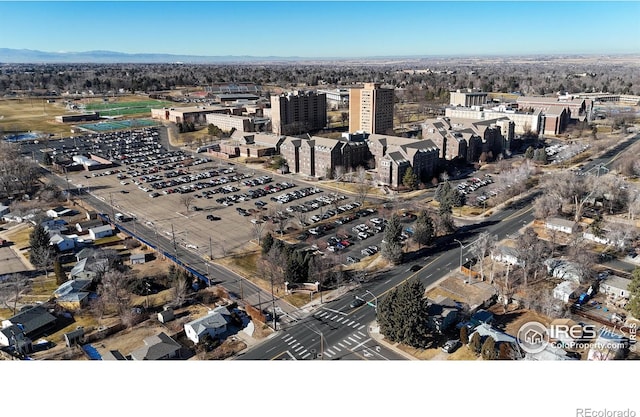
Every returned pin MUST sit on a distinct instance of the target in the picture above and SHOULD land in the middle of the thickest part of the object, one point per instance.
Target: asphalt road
(343, 339)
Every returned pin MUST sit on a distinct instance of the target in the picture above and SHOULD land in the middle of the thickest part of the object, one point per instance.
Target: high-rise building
(298, 112)
(371, 109)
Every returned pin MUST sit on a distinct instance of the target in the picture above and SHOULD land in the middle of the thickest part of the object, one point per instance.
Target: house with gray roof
(616, 286)
(158, 347)
(213, 324)
(31, 322)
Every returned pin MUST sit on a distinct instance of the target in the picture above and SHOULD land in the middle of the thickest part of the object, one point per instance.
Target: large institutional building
(391, 156)
(298, 112)
(371, 109)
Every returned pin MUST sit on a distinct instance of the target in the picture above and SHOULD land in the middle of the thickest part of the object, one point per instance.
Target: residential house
(31, 322)
(608, 346)
(113, 355)
(507, 255)
(561, 225)
(62, 242)
(549, 353)
(566, 291)
(485, 330)
(616, 286)
(83, 227)
(73, 294)
(58, 212)
(100, 232)
(564, 270)
(81, 271)
(157, 347)
(213, 324)
(443, 313)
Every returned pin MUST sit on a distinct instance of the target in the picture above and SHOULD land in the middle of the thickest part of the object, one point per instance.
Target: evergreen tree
(424, 230)
(475, 344)
(392, 247)
(464, 335)
(410, 179)
(489, 349)
(39, 242)
(448, 197)
(267, 243)
(402, 314)
(633, 306)
(61, 277)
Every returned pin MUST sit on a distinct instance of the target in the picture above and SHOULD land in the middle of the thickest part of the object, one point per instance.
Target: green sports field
(125, 108)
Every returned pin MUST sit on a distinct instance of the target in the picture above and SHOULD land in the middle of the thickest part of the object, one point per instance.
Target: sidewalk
(374, 331)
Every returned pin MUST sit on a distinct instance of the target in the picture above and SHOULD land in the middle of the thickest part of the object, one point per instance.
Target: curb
(373, 331)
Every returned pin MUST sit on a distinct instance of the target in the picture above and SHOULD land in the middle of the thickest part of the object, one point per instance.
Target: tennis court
(117, 125)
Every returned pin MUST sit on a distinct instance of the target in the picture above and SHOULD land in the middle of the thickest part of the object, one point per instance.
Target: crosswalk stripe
(357, 336)
(291, 342)
(336, 348)
(333, 318)
(363, 335)
(353, 340)
(302, 353)
(342, 345)
(361, 327)
(324, 313)
(340, 319)
(298, 348)
(347, 342)
(355, 325)
(329, 351)
(326, 354)
(351, 323)
(287, 337)
(305, 355)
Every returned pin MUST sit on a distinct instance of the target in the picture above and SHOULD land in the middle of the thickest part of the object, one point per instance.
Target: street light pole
(460, 253)
(375, 299)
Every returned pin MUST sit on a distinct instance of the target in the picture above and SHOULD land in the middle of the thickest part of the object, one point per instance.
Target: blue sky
(323, 29)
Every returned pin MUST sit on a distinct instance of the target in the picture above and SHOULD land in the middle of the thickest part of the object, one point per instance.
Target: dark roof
(33, 319)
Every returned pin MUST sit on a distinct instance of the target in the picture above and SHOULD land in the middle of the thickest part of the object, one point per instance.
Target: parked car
(211, 217)
(451, 345)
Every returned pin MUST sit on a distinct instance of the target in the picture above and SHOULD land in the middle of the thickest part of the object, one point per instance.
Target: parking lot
(228, 204)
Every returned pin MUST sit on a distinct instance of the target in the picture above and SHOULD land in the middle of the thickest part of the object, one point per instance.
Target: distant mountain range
(29, 56)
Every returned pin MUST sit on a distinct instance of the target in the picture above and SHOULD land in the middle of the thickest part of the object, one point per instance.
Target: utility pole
(175, 247)
(456, 240)
(273, 306)
(210, 249)
(113, 211)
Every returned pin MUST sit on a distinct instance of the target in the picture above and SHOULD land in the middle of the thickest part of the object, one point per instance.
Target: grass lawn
(36, 115)
(462, 354)
(20, 236)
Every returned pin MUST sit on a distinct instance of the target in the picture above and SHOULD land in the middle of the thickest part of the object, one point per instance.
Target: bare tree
(569, 188)
(363, 184)
(186, 200)
(530, 251)
(481, 247)
(546, 206)
(301, 217)
(114, 290)
(258, 227)
(582, 258)
(10, 290)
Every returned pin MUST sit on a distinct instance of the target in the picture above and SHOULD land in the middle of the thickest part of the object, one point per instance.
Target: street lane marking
(362, 327)
(360, 344)
(271, 349)
(335, 311)
(387, 281)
